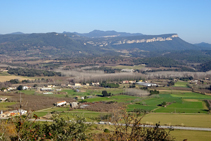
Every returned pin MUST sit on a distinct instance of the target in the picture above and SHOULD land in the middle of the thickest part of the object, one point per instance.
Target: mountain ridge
(70, 44)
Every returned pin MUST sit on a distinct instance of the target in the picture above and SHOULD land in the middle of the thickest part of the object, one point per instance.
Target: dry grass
(193, 120)
(8, 78)
(191, 100)
(180, 135)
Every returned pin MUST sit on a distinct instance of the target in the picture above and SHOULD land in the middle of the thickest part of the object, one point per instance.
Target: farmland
(181, 84)
(188, 102)
(4, 78)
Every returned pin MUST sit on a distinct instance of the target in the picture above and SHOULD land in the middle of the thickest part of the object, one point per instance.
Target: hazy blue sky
(190, 19)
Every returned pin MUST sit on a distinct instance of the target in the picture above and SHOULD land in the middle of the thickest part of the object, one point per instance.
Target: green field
(181, 84)
(4, 105)
(117, 98)
(188, 102)
(66, 113)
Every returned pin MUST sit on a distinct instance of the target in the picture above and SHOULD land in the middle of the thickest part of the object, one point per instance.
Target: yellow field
(193, 120)
(180, 135)
(7, 78)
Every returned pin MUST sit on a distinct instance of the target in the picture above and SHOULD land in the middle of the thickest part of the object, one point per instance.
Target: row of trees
(32, 72)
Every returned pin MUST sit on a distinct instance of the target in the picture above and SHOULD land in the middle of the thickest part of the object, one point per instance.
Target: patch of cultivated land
(9, 77)
(117, 98)
(4, 105)
(192, 120)
(181, 84)
(187, 102)
(180, 135)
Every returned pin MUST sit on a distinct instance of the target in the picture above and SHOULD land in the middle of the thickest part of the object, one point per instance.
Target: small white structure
(74, 104)
(51, 86)
(46, 89)
(82, 98)
(95, 84)
(25, 87)
(127, 70)
(77, 84)
(61, 103)
(131, 82)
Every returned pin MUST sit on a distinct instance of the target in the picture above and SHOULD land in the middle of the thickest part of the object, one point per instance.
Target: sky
(190, 19)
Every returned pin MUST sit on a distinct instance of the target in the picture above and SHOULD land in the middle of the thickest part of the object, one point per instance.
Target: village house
(131, 82)
(125, 82)
(74, 104)
(11, 88)
(51, 86)
(77, 85)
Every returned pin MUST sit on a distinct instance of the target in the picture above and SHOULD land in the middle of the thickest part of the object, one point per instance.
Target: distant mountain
(17, 33)
(94, 43)
(101, 34)
(44, 45)
(165, 42)
(205, 45)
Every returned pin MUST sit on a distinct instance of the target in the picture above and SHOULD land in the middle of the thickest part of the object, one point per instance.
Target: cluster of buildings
(128, 82)
(63, 103)
(78, 85)
(13, 113)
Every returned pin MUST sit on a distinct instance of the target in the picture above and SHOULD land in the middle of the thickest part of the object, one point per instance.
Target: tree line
(32, 72)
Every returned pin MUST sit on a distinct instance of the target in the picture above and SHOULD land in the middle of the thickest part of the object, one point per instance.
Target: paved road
(166, 127)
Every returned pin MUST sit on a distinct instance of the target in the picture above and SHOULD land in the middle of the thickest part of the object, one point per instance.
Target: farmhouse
(11, 88)
(61, 103)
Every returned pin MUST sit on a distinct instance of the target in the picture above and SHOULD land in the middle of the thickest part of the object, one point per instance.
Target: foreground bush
(126, 127)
